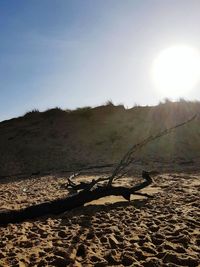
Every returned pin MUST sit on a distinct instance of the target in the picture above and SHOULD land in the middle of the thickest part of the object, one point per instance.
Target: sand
(163, 231)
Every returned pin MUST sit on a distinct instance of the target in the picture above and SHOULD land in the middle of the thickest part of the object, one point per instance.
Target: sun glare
(176, 71)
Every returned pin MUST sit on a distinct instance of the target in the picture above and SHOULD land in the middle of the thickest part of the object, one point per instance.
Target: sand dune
(163, 231)
(68, 140)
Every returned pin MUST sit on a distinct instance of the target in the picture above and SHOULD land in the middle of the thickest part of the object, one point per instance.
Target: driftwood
(71, 202)
(93, 190)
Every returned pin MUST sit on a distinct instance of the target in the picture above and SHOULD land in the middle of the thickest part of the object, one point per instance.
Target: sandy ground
(163, 231)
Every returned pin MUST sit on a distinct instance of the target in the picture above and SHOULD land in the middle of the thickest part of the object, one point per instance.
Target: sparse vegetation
(84, 112)
(53, 111)
(109, 103)
(32, 112)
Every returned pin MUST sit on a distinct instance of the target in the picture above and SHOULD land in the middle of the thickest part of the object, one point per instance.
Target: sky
(74, 53)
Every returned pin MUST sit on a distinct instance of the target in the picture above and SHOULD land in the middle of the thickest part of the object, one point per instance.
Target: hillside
(57, 139)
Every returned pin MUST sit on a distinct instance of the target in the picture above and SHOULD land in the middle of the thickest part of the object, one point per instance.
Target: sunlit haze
(176, 71)
(82, 53)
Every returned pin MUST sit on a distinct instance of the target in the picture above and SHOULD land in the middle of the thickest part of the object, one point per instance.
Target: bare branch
(128, 157)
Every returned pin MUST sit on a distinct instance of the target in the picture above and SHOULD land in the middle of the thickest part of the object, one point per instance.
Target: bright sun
(176, 71)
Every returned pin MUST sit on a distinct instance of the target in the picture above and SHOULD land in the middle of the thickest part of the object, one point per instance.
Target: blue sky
(73, 53)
